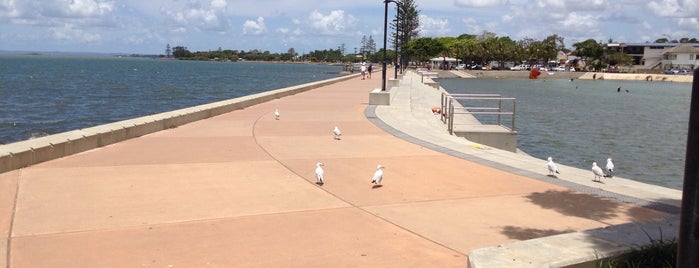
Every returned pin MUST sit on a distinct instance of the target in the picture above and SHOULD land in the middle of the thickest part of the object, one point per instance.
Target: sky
(147, 26)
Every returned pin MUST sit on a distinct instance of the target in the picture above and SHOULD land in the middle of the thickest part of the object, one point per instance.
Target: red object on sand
(534, 73)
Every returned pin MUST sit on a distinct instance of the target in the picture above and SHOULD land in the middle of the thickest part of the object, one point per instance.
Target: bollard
(688, 243)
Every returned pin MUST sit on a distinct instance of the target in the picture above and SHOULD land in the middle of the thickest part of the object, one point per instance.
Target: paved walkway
(238, 190)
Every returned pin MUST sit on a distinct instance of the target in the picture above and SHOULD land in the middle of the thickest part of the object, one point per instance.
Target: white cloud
(335, 23)
(69, 33)
(471, 26)
(434, 27)
(218, 4)
(478, 3)
(675, 8)
(258, 27)
(580, 21)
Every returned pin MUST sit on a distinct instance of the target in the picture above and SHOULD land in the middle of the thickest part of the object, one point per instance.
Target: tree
(486, 35)
(662, 40)
(368, 46)
(168, 51)
(589, 50)
(422, 49)
(620, 58)
(181, 52)
(503, 49)
(407, 25)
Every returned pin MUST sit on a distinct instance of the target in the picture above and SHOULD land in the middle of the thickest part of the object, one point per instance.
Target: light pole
(385, 33)
(396, 41)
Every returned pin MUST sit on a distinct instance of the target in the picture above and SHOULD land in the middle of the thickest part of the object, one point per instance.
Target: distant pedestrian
(371, 67)
(618, 89)
(594, 76)
(363, 70)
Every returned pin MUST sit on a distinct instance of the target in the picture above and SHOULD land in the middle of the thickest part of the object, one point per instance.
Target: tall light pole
(396, 42)
(385, 33)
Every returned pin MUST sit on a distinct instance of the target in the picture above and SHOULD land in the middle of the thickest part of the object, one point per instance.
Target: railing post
(499, 109)
(514, 107)
(451, 116)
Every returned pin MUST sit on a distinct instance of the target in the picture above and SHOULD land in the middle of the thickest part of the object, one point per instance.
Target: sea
(46, 94)
(641, 125)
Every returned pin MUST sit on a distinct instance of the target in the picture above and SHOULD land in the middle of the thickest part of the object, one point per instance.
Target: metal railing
(450, 106)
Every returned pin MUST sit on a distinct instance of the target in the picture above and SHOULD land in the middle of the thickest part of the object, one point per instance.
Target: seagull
(597, 171)
(319, 172)
(378, 175)
(610, 167)
(552, 167)
(337, 133)
(276, 114)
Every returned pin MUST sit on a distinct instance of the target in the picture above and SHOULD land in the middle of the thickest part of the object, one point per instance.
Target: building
(655, 57)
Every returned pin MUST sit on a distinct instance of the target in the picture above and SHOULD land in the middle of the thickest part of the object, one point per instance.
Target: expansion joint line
(12, 221)
(254, 136)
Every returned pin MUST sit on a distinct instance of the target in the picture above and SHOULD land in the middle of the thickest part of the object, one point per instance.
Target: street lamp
(385, 33)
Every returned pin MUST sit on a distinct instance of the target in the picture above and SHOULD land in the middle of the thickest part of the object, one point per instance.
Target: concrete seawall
(29, 152)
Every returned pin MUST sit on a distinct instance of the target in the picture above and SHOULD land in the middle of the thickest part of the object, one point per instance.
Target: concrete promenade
(238, 190)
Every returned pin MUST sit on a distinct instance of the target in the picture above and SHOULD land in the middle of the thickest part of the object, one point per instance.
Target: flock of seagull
(596, 170)
(378, 174)
(320, 173)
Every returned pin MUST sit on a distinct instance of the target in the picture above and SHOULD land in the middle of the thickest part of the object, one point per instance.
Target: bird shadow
(552, 176)
(376, 186)
(599, 181)
(320, 183)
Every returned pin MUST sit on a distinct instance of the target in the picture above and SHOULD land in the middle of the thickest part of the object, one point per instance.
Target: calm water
(42, 95)
(644, 130)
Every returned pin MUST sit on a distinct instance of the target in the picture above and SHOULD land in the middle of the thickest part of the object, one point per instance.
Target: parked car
(559, 69)
(685, 72)
(476, 67)
(521, 67)
(461, 66)
(671, 71)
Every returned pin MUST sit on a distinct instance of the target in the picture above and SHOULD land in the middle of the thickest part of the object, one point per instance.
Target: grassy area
(658, 254)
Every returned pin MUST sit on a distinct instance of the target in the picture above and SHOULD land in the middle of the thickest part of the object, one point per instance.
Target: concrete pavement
(238, 190)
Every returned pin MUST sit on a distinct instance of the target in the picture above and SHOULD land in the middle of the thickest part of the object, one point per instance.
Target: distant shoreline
(497, 74)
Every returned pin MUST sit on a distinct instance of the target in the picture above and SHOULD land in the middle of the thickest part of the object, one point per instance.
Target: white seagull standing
(378, 175)
(599, 174)
(276, 114)
(610, 168)
(337, 133)
(320, 172)
(553, 169)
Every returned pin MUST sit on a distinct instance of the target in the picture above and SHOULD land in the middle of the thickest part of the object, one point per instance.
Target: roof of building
(683, 48)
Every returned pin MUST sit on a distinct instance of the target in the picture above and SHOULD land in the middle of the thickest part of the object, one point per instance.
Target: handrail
(447, 102)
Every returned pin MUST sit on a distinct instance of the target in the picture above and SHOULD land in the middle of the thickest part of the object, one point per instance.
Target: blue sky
(146, 26)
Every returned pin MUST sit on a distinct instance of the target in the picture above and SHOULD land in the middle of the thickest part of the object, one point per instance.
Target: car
(476, 67)
(461, 66)
(685, 72)
(521, 67)
(671, 71)
(559, 68)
